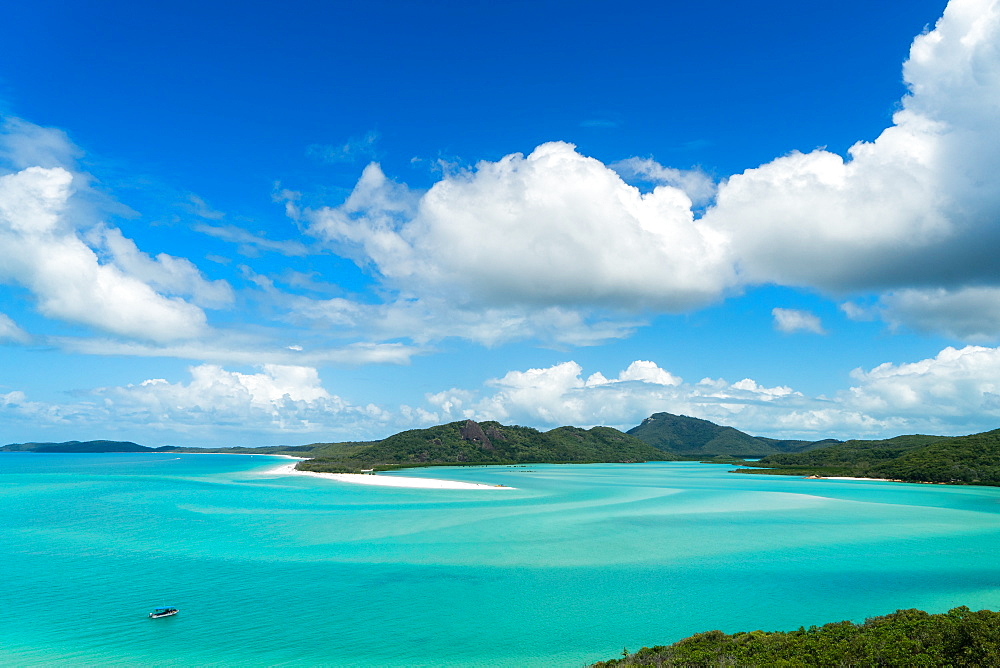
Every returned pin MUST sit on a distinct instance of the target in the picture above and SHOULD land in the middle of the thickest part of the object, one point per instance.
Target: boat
(163, 612)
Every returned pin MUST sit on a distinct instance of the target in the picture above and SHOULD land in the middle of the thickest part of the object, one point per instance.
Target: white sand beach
(843, 477)
(385, 481)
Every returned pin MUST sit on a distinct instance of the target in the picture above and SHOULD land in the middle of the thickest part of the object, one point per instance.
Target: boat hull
(157, 615)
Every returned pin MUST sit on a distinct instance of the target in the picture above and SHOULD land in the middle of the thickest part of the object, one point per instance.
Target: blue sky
(334, 221)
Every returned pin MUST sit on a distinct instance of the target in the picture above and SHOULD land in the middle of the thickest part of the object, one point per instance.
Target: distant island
(959, 460)
(959, 637)
(129, 446)
(80, 446)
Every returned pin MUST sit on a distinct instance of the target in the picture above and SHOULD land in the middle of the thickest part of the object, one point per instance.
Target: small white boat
(163, 612)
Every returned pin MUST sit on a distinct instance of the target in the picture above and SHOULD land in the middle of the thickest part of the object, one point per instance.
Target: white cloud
(857, 312)
(200, 208)
(251, 244)
(791, 320)
(967, 314)
(9, 331)
(24, 144)
(42, 251)
(648, 372)
(915, 207)
(217, 407)
(559, 395)
(554, 228)
(556, 246)
(956, 392)
(240, 349)
(954, 388)
(432, 319)
(698, 185)
(166, 274)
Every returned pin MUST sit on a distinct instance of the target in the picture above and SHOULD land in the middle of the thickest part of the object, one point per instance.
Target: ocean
(577, 563)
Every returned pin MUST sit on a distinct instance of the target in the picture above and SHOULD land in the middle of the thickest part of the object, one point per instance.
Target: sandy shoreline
(384, 481)
(237, 454)
(844, 477)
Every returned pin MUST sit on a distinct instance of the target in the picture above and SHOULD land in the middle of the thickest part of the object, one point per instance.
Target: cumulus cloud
(917, 206)
(43, 252)
(554, 228)
(560, 395)
(948, 391)
(955, 392)
(218, 407)
(77, 268)
(791, 320)
(914, 209)
(166, 274)
(278, 398)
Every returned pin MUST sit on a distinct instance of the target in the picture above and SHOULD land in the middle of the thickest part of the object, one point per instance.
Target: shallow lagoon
(576, 563)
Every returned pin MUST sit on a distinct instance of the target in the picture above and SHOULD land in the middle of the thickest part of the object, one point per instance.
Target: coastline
(843, 477)
(383, 481)
(908, 482)
(237, 454)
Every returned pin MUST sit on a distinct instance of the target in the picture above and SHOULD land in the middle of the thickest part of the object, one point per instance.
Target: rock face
(473, 433)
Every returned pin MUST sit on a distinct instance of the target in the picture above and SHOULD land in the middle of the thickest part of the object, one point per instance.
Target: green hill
(470, 442)
(850, 458)
(960, 637)
(969, 460)
(693, 437)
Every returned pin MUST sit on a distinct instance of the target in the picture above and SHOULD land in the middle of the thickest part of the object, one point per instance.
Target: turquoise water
(576, 563)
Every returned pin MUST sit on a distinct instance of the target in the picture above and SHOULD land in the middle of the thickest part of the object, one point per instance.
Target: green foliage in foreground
(470, 442)
(957, 460)
(960, 637)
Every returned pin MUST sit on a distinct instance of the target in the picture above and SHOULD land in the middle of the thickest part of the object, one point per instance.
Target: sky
(333, 221)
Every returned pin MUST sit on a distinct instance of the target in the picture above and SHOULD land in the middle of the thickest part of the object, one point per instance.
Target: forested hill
(693, 437)
(470, 442)
(971, 460)
(77, 446)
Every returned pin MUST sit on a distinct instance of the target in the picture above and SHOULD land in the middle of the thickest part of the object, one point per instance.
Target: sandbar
(386, 481)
